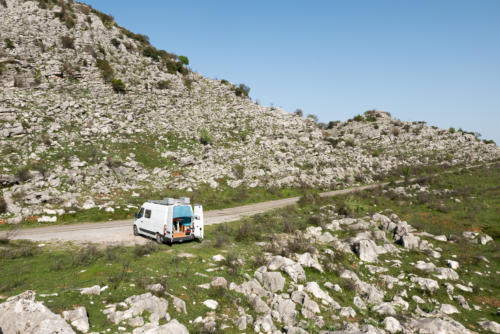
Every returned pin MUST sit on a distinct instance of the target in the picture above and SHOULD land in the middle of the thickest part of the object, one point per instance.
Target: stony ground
(415, 258)
(73, 138)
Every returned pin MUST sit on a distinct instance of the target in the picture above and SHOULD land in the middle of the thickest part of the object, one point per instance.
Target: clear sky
(432, 60)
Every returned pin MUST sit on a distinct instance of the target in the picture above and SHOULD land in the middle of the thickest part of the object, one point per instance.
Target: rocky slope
(91, 112)
(372, 274)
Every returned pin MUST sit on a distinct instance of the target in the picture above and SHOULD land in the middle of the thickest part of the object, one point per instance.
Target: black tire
(159, 239)
(136, 233)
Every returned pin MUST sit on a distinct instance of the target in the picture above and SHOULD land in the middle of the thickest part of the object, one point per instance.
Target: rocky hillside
(91, 113)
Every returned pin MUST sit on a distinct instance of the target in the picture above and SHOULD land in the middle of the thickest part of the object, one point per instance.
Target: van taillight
(165, 230)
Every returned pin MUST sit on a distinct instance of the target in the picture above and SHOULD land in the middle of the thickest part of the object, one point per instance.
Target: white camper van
(169, 220)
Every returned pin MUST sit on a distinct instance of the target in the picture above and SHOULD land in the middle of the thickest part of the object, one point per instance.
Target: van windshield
(141, 212)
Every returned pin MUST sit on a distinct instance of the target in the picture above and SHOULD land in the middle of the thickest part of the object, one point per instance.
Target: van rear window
(147, 214)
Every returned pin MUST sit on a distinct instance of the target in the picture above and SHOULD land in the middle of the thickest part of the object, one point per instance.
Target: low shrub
(67, 42)
(358, 118)
(19, 81)
(163, 84)
(247, 231)
(116, 43)
(205, 137)
(105, 68)
(395, 131)
(452, 130)
(221, 240)
(18, 251)
(85, 256)
(349, 142)
(147, 248)
(233, 264)
(23, 174)
(118, 86)
(9, 44)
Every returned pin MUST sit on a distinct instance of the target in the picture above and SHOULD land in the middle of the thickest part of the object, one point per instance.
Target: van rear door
(198, 221)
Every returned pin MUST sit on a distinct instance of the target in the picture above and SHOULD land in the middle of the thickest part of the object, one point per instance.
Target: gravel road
(120, 231)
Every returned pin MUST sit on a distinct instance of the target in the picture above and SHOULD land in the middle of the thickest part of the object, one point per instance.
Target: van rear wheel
(136, 233)
(159, 239)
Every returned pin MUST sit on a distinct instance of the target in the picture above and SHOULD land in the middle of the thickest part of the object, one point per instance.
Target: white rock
(93, 290)
(78, 318)
(392, 325)
(211, 304)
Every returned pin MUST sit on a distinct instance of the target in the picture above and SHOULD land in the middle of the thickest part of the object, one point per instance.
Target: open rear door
(198, 221)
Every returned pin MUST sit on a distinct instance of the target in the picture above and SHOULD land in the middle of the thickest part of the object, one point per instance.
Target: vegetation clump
(67, 42)
(9, 44)
(105, 68)
(163, 84)
(205, 137)
(242, 90)
(118, 86)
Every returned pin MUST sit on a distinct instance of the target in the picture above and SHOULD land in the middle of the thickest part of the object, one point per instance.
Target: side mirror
(135, 215)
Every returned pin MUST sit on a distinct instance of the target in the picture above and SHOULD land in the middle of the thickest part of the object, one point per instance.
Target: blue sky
(436, 61)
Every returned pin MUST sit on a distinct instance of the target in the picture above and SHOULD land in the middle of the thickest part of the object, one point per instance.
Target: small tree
(299, 112)
(184, 60)
(242, 90)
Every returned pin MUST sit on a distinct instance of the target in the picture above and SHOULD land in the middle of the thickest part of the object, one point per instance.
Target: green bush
(359, 118)
(118, 86)
(349, 142)
(242, 90)
(452, 130)
(105, 68)
(151, 52)
(9, 44)
(224, 81)
(116, 43)
(184, 60)
(164, 84)
(23, 174)
(205, 137)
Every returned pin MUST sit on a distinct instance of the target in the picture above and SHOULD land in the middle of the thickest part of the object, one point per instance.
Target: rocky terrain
(91, 114)
(346, 266)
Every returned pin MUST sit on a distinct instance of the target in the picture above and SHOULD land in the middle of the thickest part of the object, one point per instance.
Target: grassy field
(464, 201)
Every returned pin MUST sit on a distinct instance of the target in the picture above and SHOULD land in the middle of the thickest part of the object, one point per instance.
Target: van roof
(171, 201)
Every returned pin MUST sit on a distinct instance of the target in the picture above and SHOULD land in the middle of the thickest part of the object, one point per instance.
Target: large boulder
(78, 318)
(273, 281)
(436, 325)
(22, 314)
(366, 250)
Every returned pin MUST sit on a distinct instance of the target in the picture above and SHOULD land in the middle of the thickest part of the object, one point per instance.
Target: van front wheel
(159, 239)
(136, 233)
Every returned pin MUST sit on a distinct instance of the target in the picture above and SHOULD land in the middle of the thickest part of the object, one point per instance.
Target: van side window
(148, 214)
(141, 212)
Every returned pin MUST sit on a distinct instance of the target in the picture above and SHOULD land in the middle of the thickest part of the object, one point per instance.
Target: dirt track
(120, 231)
